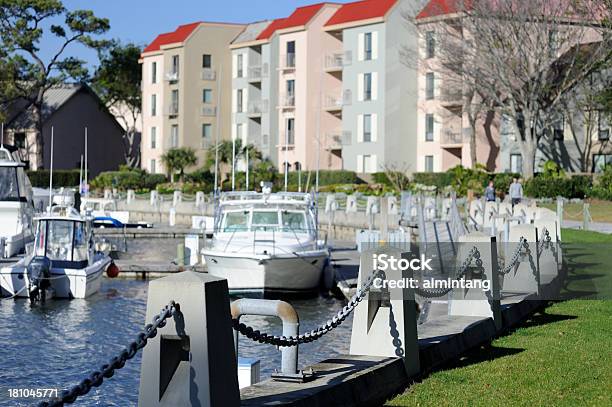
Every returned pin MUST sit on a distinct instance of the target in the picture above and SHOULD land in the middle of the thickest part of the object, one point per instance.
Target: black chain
(96, 378)
(316, 333)
(440, 292)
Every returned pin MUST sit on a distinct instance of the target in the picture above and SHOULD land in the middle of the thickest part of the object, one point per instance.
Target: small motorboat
(266, 244)
(16, 207)
(62, 263)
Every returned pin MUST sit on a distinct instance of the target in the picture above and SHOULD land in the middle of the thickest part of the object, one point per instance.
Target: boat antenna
(2, 141)
(218, 129)
(247, 167)
(234, 162)
(81, 176)
(286, 164)
(85, 170)
(51, 174)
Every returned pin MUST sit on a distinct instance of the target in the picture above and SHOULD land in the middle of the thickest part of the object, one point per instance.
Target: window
(291, 54)
(603, 127)
(153, 138)
(367, 86)
(174, 101)
(174, 136)
(240, 65)
(367, 128)
(239, 101)
(290, 93)
(289, 131)
(153, 105)
(152, 168)
(206, 131)
(264, 220)
(8, 184)
(429, 86)
(516, 163)
(175, 65)
(429, 163)
(19, 140)
(429, 127)
(206, 61)
(207, 96)
(235, 221)
(367, 46)
(600, 161)
(154, 72)
(293, 220)
(430, 44)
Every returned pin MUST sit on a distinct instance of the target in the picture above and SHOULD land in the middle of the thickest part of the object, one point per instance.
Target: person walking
(490, 192)
(516, 192)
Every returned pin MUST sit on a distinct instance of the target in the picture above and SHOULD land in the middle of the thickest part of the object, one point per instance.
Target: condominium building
(255, 90)
(443, 129)
(187, 75)
(377, 103)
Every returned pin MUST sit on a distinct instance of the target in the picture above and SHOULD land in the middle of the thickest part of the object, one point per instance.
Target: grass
(601, 211)
(560, 356)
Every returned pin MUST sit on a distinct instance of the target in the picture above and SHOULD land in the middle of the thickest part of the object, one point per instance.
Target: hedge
(577, 186)
(61, 178)
(130, 179)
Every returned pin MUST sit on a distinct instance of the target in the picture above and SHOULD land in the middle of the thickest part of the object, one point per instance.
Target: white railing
(452, 137)
(334, 61)
(257, 107)
(172, 76)
(288, 61)
(255, 73)
(173, 110)
(333, 102)
(288, 101)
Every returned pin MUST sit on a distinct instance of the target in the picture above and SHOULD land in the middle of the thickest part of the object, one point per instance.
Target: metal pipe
(272, 308)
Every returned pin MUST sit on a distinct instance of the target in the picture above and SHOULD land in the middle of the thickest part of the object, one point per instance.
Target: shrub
(439, 180)
(124, 179)
(542, 186)
(61, 178)
(603, 187)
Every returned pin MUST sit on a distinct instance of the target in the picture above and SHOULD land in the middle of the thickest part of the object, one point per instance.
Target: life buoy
(112, 270)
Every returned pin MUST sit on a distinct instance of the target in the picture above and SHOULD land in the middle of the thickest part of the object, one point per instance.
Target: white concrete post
(154, 198)
(172, 217)
(199, 200)
(392, 205)
(525, 278)
(550, 257)
(351, 204)
(131, 196)
(476, 301)
(385, 324)
(177, 197)
(191, 361)
(108, 194)
(560, 210)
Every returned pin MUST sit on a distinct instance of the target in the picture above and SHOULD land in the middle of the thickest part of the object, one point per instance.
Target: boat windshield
(294, 221)
(9, 190)
(264, 221)
(236, 221)
(61, 240)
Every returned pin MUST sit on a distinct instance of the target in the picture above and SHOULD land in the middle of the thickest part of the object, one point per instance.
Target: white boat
(104, 208)
(266, 244)
(63, 263)
(16, 208)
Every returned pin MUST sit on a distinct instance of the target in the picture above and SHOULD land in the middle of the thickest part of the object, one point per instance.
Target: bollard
(172, 217)
(108, 194)
(385, 323)
(177, 197)
(392, 206)
(154, 198)
(199, 200)
(548, 259)
(525, 278)
(273, 308)
(560, 210)
(330, 199)
(351, 204)
(191, 361)
(475, 301)
(586, 216)
(131, 196)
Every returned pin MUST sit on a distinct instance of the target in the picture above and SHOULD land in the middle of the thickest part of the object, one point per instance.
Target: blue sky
(139, 21)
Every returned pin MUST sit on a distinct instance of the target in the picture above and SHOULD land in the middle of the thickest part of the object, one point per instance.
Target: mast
(51, 174)
(234, 162)
(86, 163)
(218, 129)
(247, 168)
(2, 141)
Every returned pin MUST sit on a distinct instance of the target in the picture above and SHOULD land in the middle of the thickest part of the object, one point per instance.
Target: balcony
(287, 101)
(208, 74)
(336, 141)
(333, 104)
(173, 110)
(209, 111)
(287, 62)
(255, 73)
(451, 97)
(257, 107)
(334, 62)
(452, 138)
(172, 77)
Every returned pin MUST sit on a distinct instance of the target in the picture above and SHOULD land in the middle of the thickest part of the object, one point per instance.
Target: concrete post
(560, 210)
(385, 323)
(177, 197)
(392, 205)
(475, 301)
(172, 217)
(384, 220)
(526, 278)
(191, 361)
(108, 194)
(548, 259)
(199, 200)
(154, 198)
(351, 204)
(131, 196)
(586, 216)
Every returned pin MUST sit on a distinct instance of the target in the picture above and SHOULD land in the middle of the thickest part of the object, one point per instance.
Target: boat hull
(65, 283)
(267, 275)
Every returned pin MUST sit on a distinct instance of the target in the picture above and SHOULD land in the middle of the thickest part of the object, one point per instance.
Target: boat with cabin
(267, 244)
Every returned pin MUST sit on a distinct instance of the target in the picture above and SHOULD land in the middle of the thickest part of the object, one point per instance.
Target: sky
(139, 21)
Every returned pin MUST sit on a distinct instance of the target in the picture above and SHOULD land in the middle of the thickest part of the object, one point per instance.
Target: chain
(316, 333)
(515, 257)
(96, 378)
(544, 242)
(440, 292)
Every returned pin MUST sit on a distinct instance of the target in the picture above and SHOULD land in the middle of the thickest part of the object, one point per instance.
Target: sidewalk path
(600, 227)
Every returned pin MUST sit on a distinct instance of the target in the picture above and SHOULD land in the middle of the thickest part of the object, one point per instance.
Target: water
(59, 343)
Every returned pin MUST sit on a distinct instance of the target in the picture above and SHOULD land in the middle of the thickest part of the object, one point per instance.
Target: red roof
(301, 16)
(442, 7)
(178, 35)
(361, 10)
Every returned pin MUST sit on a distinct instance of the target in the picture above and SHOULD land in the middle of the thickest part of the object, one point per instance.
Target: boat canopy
(62, 237)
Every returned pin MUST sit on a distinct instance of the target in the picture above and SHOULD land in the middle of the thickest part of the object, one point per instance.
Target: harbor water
(57, 344)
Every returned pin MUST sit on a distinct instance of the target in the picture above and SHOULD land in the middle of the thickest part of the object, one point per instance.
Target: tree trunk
(473, 155)
(40, 141)
(528, 153)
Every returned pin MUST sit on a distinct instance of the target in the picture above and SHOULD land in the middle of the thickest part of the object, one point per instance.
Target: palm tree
(177, 159)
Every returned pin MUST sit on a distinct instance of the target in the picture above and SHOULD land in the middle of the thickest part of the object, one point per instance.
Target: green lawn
(601, 211)
(561, 356)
